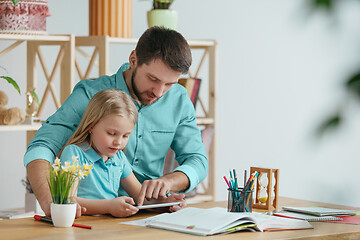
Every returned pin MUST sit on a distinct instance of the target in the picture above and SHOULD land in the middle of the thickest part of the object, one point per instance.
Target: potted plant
(63, 181)
(161, 15)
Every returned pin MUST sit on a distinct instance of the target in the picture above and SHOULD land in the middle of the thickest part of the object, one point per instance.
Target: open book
(218, 221)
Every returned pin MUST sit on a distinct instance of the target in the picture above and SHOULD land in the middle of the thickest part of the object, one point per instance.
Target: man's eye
(152, 79)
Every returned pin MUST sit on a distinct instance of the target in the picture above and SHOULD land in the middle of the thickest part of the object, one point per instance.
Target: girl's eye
(111, 133)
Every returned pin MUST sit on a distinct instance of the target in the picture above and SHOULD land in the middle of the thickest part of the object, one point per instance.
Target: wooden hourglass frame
(271, 173)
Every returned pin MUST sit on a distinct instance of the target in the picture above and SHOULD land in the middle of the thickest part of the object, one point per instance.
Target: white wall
(280, 73)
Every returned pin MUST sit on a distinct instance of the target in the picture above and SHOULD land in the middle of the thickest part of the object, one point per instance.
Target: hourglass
(267, 188)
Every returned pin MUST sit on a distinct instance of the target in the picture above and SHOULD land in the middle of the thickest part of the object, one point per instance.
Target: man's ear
(133, 59)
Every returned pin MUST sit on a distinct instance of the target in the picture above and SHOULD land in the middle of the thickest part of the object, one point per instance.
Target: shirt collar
(121, 84)
(93, 156)
(120, 81)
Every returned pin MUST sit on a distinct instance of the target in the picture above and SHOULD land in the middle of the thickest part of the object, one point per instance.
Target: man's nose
(159, 90)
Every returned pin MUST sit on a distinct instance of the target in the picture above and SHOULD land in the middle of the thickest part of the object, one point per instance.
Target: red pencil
(49, 220)
(227, 182)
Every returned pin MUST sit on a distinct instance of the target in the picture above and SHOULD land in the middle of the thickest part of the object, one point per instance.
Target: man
(166, 119)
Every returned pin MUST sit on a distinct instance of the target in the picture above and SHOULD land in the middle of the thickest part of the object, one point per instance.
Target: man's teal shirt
(169, 122)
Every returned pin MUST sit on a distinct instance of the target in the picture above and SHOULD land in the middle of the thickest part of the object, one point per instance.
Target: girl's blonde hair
(102, 104)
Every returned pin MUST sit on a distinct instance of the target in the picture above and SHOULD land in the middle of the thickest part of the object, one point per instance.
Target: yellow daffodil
(57, 162)
(63, 177)
(75, 159)
(66, 167)
(87, 166)
(81, 174)
(56, 169)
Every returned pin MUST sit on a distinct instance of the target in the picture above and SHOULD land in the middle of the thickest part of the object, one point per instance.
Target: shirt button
(140, 136)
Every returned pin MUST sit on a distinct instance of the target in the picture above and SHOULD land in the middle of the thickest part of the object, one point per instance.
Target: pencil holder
(239, 200)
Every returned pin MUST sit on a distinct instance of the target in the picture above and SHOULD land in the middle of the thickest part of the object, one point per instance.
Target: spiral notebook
(306, 217)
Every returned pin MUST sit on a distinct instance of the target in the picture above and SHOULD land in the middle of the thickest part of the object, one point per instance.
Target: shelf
(35, 37)
(21, 127)
(89, 41)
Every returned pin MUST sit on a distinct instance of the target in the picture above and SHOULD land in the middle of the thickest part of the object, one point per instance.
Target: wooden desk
(107, 227)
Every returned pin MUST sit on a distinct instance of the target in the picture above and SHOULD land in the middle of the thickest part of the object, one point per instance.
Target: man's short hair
(164, 44)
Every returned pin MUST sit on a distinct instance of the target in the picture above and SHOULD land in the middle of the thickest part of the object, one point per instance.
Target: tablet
(158, 205)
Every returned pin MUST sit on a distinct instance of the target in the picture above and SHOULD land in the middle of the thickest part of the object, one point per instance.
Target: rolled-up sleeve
(189, 148)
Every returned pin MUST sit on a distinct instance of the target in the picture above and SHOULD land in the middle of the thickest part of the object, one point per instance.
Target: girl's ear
(133, 59)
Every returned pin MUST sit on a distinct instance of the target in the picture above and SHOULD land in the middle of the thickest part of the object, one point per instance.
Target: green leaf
(162, 4)
(15, 1)
(330, 124)
(323, 4)
(12, 82)
(353, 84)
(36, 96)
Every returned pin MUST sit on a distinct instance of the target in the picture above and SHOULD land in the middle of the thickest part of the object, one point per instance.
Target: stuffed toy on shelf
(9, 116)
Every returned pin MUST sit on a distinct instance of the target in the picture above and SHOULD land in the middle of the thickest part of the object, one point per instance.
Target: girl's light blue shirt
(104, 179)
(169, 122)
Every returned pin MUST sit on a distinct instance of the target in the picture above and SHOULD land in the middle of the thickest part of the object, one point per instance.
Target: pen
(235, 177)
(245, 177)
(49, 220)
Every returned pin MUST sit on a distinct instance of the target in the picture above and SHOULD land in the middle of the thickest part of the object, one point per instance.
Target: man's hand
(158, 188)
(153, 189)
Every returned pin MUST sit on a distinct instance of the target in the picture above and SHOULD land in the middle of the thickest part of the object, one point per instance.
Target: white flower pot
(63, 215)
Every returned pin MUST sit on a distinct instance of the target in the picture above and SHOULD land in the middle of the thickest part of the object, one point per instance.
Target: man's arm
(37, 172)
(189, 150)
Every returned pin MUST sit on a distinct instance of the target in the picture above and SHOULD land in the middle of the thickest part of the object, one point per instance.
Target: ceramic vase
(63, 215)
(111, 17)
(162, 17)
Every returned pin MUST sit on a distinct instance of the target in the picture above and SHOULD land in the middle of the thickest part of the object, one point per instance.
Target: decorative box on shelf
(26, 17)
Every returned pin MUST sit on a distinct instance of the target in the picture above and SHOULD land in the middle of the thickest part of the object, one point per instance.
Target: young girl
(99, 140)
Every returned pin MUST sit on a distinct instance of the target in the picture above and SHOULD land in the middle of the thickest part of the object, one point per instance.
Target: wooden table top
(107, 227)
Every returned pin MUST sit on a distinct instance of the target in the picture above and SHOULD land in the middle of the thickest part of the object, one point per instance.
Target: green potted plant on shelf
(162, 15)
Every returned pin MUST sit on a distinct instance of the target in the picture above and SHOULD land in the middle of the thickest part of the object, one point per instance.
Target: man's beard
(138, 94)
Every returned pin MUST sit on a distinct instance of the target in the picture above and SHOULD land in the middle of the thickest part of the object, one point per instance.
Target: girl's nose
(117, 141)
